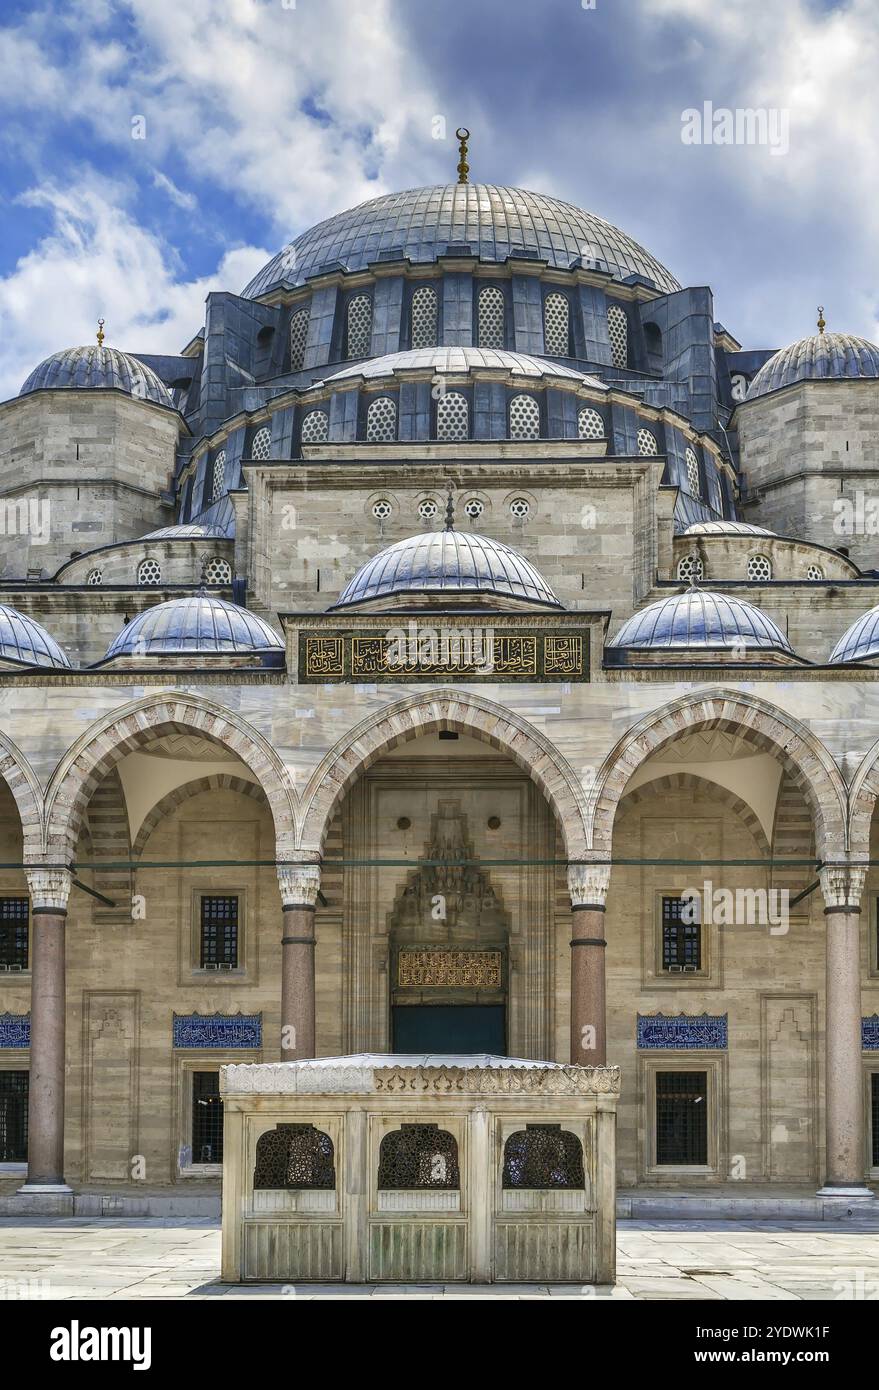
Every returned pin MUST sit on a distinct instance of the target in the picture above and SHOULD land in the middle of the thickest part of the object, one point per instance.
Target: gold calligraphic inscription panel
(424, 652)
(435, 969)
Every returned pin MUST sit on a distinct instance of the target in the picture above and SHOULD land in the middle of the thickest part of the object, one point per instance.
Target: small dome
(726, 528)
(860, 642)
(464, 359)
(90, 367)
(448, 562)
(24, 641)
(198, 624)
(822, 357)
(697, 618)
(186, 532)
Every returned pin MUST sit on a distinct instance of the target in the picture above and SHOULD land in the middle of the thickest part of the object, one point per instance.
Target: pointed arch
(863, 795)
(691, 781)
(215, 781)
(20, 778)
(429, 713)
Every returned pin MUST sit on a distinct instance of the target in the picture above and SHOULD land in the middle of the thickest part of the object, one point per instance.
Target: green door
(450, 1028)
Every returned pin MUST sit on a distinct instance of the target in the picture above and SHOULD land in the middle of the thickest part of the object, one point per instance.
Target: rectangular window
(13, 1116)
(682, 1117)
(207, 1118)
(219, 932)
(681, 938)
(14, 914)
(874, 1116)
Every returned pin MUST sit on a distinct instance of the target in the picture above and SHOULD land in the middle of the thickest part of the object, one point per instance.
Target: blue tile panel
(218, 1030)
(870, 1033)
(682, 1032)
(15, 1030)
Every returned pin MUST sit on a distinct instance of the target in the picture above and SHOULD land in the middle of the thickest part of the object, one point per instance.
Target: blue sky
(262, 116)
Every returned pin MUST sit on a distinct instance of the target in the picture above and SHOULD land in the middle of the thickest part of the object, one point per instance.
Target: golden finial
(821, 324)
(450, 507)
(100, 332)
(463, 135)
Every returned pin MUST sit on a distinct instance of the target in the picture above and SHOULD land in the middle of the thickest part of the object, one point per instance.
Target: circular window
(404, 823)
(759, 568)
(95, 577)
(690, 567)
(520, 507)
(427, 509)
(382, 509)
(814, 572)
(217, 571)
(474, 508)
(647, 445)
(149, 572)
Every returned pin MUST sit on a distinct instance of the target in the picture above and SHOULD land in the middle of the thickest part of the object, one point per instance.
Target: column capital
(299, 880)
(588, 883)
(842, 885)
(49, 888)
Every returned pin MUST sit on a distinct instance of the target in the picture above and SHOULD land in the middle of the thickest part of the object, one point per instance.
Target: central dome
(448, 562)
(492, 222)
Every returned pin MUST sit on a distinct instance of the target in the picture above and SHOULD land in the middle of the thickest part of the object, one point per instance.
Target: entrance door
(450, 1028)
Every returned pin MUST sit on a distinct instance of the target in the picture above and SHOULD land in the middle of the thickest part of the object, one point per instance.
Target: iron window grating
(207, 1118)
(874, 1117)
(682, 1117)
(14, 921)
(13, 1115)
(219, 931)
(681, 940)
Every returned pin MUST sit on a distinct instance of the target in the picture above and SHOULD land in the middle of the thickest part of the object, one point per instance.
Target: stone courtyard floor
(180, 1258)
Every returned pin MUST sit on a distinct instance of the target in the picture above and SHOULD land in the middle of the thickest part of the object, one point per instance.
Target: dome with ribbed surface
(860, 642)
(25, 641)
(186, 532)
(198, 624)
(490, 222)
(448, 562)
(699, 619)
(726, 528)
(91, 367)
(464, 359)
(822, 357)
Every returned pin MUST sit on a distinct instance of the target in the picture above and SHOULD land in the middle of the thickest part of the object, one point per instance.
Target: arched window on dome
(524, 418)
(216, 570)
(589, 424)
(618, 333)
(556, 325)
(759, 568)
(315, 427)
(690, 567)
(149, 571)
(298, 339)
(218, 476)
(381, 421)
(490, 318)
(647, 445)
(95, 577)
(694, 479)
(359, 323)
(424, 318)
(452, 416)
(261, 444)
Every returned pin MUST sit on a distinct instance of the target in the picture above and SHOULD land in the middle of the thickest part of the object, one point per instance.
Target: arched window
(416, 1156)
(95, 577)
(813, 572)
(295, 1156)
(694, 481)
(298, 339)
(653, 344)
(690, 567)
(149, 572)
(759, 567)
(524, 418)
(618, 332)
(543, 1156)
(261, 444)
(490, 316)
(381, 421)
(359, 326)
(216, 570)
(556, 326)
(647, 445)
(452, 416)
(218, 477)
(590, 424)
(425, 317)
(315, 427)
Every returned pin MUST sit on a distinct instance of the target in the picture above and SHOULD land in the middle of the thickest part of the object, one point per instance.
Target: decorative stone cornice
(299, 881)
(588, 884)
(49, 888)
(352, 1076)
(842, 885)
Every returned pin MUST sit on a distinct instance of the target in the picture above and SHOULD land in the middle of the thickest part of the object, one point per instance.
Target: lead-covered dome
(726, 528)
(860, 642)
(465, 359)
(205, 624)
(697, 619)
(448, 562)
(27, 643)
(821, 357)
(92, 367)
(493, 222)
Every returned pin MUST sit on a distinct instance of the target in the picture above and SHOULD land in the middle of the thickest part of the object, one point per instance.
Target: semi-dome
(821, 357)
(198, 624)
(186, 531)
(493, 222)
(464, 359)
(860, 642)
(726, 528)
(696, 619)
(448, 562)
(92, 367)
(25, 641)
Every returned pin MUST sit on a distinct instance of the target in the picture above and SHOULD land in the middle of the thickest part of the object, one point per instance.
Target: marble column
(588, 884)
(49, 892)
(845, 1173)
(299, 882)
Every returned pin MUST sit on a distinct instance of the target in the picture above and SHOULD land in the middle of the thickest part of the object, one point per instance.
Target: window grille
(219, 931)
(590, 424)
(207, 1118)
(874, 1117)
(618, 332)
(95, 577)
(682, 1117)
(490, 318)
(316, 427)
(690, 567)
(13, 1116)
(524, 418)
(694, 482)
(520, 507)
(217, 571)
(452, 416)
(381, 421)
(418, 1156)
(647, 445)
(359, 326)
(149, 572)
(556, 328)
(298, 339)
(543, 1156)
(681, 938)
(427, 509)
(298, 1156)
(14, 919)
(261, 444)
(381, 509)
(425, 313)
(218, 478)
(814, 572)
(759, 567)
(474, 508)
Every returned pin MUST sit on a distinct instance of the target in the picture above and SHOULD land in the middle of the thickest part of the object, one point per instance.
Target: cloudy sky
(260, 117)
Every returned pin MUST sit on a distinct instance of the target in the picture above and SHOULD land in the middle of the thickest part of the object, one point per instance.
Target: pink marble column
(49, 891)
(299, 883)
(844, 1086)
(588, 884)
